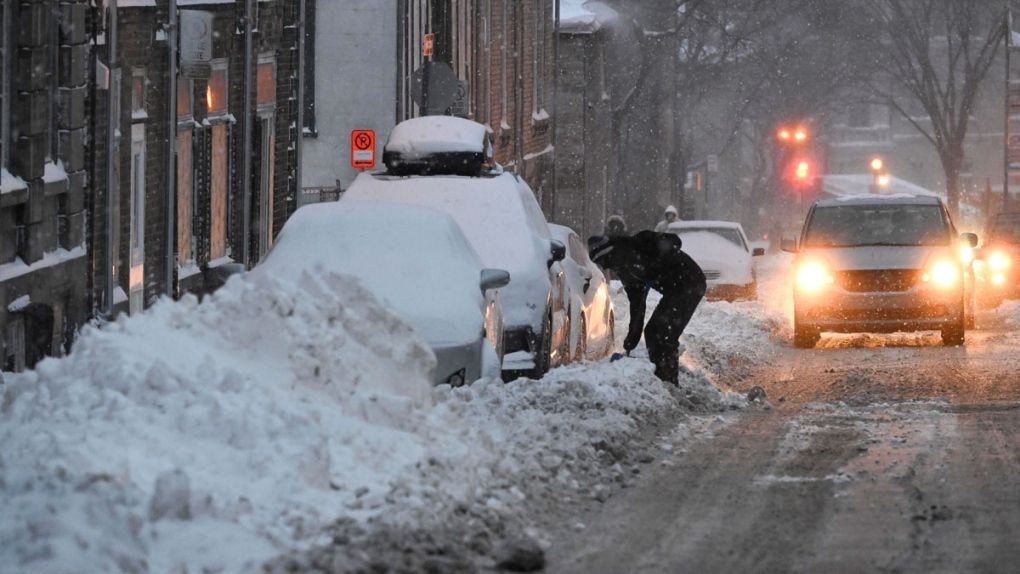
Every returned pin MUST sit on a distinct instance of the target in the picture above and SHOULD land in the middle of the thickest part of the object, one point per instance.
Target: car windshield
(862, 225)
(727, 233)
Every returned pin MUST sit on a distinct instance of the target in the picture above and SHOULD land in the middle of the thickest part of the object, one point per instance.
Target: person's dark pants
(662, 333)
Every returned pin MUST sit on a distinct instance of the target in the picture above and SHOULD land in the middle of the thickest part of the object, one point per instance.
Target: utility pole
(169, 215)
(113, 117)
(246, 134)
(1006, 111)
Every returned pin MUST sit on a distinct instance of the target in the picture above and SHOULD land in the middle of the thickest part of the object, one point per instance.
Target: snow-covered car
(880, 264)
(592, 318)
(725, 255)
(445, 163)
(418, 263)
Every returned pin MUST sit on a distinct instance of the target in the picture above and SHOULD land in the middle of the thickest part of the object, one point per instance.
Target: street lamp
(880, 177)
(877, 164)
(882, 181)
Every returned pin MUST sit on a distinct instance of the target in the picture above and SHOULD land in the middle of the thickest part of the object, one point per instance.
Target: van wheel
(804, 338)
(954, 335)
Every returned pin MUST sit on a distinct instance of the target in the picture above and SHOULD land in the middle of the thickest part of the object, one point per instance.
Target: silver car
(881, 264)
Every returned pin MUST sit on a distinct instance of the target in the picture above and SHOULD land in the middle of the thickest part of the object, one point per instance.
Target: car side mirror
(493, 279)
(970, 238)
(789, 245)
(557, 251)
(758, 252)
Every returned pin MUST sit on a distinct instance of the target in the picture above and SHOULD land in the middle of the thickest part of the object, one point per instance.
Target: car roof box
(438, 145)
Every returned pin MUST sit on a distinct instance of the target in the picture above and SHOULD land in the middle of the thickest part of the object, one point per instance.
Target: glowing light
(208, 98)
(883, 180)
(803, 170)
(813, 276)
(943, 273)
(784, 134)
(966, 254)
(800, 135)
(998, 279)
(999, 261)
(877, 164)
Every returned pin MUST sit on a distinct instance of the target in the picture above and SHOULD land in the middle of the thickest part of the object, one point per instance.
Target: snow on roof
(415, 259)
(10, 182)
(861, 184)
(703, 223)
(584, 16)
(437, 134)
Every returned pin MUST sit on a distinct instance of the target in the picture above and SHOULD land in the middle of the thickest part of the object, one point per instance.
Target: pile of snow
(295, 425)
(210, 436)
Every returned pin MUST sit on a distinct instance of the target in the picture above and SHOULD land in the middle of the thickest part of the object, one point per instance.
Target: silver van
(881, 264)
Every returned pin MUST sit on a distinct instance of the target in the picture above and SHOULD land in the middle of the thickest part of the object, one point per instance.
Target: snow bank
(294, 425)
(210, 436)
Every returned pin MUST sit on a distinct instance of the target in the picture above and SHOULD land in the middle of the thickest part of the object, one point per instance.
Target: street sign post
(363, 149)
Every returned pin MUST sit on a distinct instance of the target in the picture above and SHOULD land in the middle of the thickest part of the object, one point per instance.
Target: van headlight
(998, 261)
(813, 276)
(943, 273)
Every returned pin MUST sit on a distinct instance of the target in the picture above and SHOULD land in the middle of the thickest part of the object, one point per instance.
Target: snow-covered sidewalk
(296, 424)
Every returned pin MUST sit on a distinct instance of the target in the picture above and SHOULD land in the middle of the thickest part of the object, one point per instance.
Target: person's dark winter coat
(650, 260)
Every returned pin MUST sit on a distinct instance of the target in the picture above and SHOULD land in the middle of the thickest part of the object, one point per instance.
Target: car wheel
(954, 334)
(611, 342)
(544, 357)
(581, 349)
(803, 337)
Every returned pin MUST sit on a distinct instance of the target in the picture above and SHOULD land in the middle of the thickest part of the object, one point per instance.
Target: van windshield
(863, 225)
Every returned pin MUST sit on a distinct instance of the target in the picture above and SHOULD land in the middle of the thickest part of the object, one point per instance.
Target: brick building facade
(504, 53)
(43, 264)
(152, 203)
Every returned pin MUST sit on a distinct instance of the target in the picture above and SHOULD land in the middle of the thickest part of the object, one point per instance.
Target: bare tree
(937, 53)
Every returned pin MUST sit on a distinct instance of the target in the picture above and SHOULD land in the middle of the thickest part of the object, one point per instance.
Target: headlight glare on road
(998, 261)
(943, 273)
(813, 276)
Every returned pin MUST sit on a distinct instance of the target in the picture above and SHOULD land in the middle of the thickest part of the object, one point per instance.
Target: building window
(138, 95)
(538, 59)
(266, 101)
(505, 64)
(265, 88)
(185, 172)
(859, 115)
(309, 129)
(218, 192)
(5, 81)
(137, 216)
(216, 89)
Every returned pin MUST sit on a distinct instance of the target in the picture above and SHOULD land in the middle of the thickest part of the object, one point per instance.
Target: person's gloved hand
(630, 343)
(616, 357)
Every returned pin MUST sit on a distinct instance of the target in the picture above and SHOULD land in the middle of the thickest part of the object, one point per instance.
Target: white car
(444, 163)
(592, 334)
(419, 264)
(722, 250)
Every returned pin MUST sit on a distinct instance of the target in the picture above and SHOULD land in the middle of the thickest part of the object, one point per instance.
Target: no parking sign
(363, 149)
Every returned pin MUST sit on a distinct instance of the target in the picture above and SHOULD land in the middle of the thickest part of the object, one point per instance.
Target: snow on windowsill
(54, 172)
(10, 183)
(220, 261)
(189, 269)
(18, 267)
(139, 116)
(540, 116)
(548, 149)
(19, 303)
(219, 119)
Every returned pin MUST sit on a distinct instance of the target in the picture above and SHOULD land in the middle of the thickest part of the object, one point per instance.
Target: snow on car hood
(414, 259)
(876, 257)
(714, 253)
